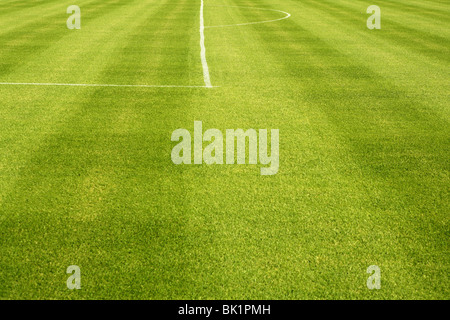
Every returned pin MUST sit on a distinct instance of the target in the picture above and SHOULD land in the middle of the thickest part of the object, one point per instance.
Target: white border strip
(203, 49)
(99, 85)
(288, 15)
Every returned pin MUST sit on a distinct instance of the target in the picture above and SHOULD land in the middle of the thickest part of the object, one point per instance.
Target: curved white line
(288, 15)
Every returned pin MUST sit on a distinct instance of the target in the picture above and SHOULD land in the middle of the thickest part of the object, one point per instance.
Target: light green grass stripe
(22, 45)
(363, 169)
(405, 249)
(384, 56)
(71, 60)
(432, 45)
(52, 13)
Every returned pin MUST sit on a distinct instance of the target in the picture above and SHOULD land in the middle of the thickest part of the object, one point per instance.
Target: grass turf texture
(86, 176)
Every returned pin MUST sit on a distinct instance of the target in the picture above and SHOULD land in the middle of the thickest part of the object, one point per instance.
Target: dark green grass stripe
(46, 113)
(379, 155)
(270, 100)
(115, 149)
(53, 16)
(152, 53)
(319, 61)
(20, 45)
(428, 42)
(42, 15)
(177, 57)
(356, 185)
(39, 111)
(328, 175)
(415, 16)
(412, 19)
(10, 7)
(432, 46)
(424, 8)
(317, 67)
(106, 175)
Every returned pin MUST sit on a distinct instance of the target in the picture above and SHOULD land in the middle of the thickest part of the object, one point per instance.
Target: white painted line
(99, 85)
(287, 15)
(206, 76)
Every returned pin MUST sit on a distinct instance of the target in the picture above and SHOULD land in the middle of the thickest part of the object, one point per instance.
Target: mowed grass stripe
(70, 62)
(408, 120)
(431, 45)
(362, 178)
(16, 14)
(252, 266)
(15, 18)
(388, 60)
(245, 52)
(88, 165)
(286, 230)
(21, 43)
(65, 62)
(436, 148)
(152, 54)
(413, 18)
(330, 70)
(59, 62)
(106, 176)
(425, 8)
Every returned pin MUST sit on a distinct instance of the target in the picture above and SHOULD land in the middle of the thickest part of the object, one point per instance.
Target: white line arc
(203, 49)
(287, 15)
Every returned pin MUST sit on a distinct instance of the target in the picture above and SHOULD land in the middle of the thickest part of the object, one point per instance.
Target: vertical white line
(203, 49)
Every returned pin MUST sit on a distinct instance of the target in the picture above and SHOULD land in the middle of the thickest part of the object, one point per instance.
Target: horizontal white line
(99, 85)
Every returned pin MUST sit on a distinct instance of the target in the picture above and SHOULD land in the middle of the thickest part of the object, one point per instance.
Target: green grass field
(86, 176)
